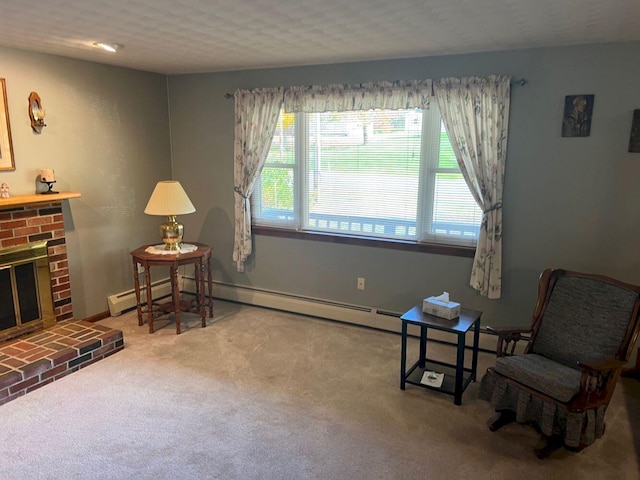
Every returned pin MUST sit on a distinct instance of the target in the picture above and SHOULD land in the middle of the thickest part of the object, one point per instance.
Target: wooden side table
(201, 258)
(456, 376)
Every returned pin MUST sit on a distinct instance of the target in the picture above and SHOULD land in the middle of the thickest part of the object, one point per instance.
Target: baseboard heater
(124, 301)
(353, 314)
(341, 312)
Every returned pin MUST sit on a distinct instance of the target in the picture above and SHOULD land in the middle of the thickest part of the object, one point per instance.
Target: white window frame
(429, 168)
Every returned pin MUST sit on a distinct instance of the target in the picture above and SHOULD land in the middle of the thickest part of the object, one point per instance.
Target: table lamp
(170, 199)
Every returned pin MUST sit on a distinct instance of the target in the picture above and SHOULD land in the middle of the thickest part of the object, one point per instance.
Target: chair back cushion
(586, 319)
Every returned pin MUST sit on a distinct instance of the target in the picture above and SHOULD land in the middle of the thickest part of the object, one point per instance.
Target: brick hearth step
(32, 361)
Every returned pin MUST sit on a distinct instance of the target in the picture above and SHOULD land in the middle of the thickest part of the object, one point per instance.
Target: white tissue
(443, 298)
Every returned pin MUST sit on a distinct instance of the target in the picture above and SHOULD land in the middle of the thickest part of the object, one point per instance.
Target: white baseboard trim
(126, 300)
(359, 315)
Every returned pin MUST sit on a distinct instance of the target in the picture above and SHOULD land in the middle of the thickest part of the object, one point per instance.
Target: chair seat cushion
(535, 371)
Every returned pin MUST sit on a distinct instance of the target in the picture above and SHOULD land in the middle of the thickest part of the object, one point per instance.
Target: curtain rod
(517, 82)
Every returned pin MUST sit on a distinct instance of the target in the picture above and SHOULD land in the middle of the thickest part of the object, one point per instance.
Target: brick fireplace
(31, 223)
(42, 222)
(37, 355)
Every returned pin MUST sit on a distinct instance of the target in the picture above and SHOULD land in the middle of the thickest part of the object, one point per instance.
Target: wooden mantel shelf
(20, 200)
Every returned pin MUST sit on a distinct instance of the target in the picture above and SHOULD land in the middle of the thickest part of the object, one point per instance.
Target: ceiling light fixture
(109, 47)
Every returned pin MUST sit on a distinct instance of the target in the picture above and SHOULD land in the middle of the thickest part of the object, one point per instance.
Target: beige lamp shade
(170, 199)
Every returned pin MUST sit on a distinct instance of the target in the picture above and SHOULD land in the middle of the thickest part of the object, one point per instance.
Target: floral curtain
(256, 117)
(475, 112)
(363, 96)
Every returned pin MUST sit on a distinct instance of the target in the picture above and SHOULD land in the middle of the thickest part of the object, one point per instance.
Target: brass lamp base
(171, 232)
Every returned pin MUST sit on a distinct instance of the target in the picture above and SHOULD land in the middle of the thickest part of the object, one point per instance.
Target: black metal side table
(456, 377)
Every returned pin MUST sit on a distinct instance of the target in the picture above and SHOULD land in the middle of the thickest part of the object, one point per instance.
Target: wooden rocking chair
(583, 331)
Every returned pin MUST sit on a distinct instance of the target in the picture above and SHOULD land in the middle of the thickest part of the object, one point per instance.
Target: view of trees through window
(374, 173)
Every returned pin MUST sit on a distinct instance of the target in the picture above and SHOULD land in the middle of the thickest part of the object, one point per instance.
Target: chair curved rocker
(582, 333)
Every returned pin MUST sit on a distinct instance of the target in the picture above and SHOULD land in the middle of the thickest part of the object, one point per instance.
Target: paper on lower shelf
(433, 379)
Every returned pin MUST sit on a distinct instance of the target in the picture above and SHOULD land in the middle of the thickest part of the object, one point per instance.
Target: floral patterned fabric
(476, 115)
(475, 112)
(364, 96)
(256, 117)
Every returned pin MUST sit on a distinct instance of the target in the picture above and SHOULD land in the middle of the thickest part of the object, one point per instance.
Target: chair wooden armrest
(597, 381)
(503, 330)
(601, 364)
(508, 337)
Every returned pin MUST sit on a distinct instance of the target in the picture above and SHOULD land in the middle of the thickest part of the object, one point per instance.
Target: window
(389, 174)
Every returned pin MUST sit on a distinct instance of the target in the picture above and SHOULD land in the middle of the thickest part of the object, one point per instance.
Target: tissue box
(447, 310)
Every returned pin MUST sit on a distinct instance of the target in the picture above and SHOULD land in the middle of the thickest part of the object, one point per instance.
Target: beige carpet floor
(261, 394)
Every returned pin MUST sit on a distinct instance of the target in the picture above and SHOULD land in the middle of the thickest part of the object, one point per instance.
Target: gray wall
(569, 202)
(107, 137)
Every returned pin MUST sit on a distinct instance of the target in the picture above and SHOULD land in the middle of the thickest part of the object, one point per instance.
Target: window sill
(435, 248)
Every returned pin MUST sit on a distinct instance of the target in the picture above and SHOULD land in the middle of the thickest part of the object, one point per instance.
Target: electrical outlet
(140, 268)
(360, 283)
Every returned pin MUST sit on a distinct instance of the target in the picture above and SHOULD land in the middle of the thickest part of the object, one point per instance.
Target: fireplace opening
(26, 302)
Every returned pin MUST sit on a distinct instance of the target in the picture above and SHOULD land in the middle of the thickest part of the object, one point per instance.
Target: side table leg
(209, 284)
(176, 296)
(147, 278)
(403, 355)
(196, 276)
(423, 346)
(459, 370)
(476, 347)
(200, 291)
(136, 282)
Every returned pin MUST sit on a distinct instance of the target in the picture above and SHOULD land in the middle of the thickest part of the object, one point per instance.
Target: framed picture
(634, 140)
(578, 110)
(6, 147)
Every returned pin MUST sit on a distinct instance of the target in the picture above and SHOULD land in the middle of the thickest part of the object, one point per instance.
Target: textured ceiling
(190, 36)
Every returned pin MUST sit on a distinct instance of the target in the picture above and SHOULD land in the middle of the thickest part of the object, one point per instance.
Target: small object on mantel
(4, 191)
(48, 176)
(440, 306)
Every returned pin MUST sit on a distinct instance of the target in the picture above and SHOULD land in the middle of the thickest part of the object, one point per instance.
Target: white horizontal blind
(377, 173)
(363, 169)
